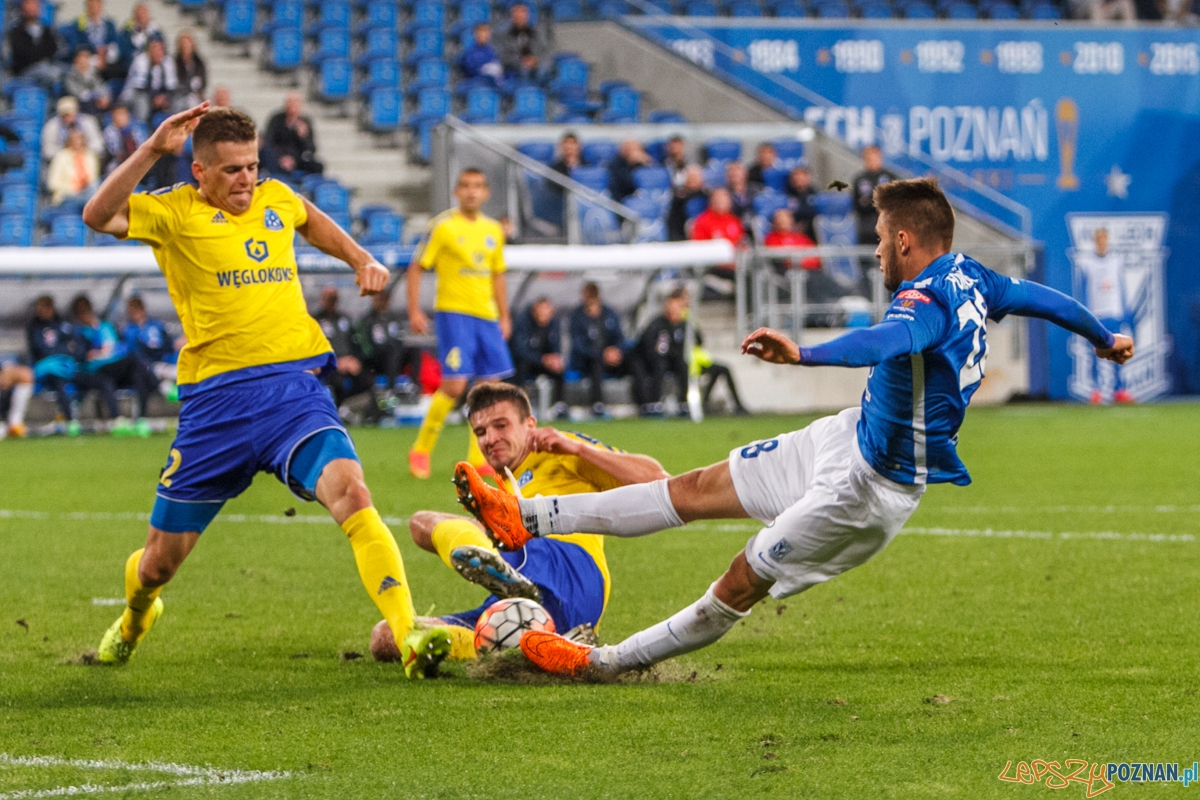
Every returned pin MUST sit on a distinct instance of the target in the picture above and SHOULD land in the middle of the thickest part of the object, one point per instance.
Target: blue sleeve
(1029, 299)
(914, 322)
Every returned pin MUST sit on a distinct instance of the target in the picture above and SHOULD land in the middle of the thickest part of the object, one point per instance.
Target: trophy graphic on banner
(1066, 118)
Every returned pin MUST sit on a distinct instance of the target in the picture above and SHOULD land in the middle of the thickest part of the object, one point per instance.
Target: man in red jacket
(718, 220)
(784, 234)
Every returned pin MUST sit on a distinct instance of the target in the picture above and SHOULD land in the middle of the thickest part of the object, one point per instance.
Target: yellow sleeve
(427, 248)
(154, 218)
(498, 264)
(589, 472)
(294, 204)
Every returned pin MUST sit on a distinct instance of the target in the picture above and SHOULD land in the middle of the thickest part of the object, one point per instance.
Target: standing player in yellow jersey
(567, 574)
(252, 401)
(466, 251)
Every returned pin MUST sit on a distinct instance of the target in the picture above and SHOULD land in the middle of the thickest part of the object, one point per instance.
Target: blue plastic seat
(331, 43)
(652, 221)
(432, 105)
(566, 10)
(16, 230)
(723, 149)
(529, 105)
(623, 103)
(792, 10)
(432, 73)
(331, 14)
(470, 14)
(833, 204)
(790, 152)
(335, 79)
(572, 118)
(463, 87)
(700, 8)
(745, 9)
(384, 108)
(595, 178)
(767, 203)
(599, 152)
(875, 11)
(654, 182)
(611, 8)
(331, 197)
(382, 227)
(18, 198)
(379, 14)
(426, 43)
(570, 72)
(284, 14)
(961, 10)
(287, 49)
(483, 106)
(382, 73)
(237, 19)
(776, 179)
(426, 14)
(1002, 11)
(538, 151)
(919, 11)
(833, 10)
(66, 230)
(664, 115)
(1045, 11)
(379, 43)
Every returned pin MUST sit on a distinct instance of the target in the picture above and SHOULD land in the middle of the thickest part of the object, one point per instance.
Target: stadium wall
(1087, 126)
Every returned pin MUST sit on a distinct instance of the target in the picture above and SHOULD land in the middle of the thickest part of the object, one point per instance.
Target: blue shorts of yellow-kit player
(471, 347)
(571, 583)
(278, 421)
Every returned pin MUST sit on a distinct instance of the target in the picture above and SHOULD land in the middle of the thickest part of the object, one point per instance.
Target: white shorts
(825, 508)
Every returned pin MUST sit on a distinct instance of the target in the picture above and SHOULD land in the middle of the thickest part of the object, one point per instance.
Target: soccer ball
(500, 626)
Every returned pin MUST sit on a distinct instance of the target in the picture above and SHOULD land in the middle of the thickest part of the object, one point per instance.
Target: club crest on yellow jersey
(257, 249)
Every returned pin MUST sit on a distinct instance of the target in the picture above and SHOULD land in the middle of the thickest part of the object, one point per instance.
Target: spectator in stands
(122, 136)
(660, 351)
(222, 98)
(536, 346)
(1104, 9)
(33, 47)
(718, 220)
(55, 350)
(289, 144)
(570, 155)
(765, 159)
(382, 345)
(480, 60)
(190, 70)
(351, 377)
(630, 157)
(84, 83)
(152, 86)
(675, 160)
(1148, 10)
(740, 195)
(74, 171)
(802, 201)
(93, 29)
(688, 201)
(134, 36)
(66, 119)
(596, 345)
(148, 340)
(523, 47)
(784, 233)
(862, 188)
(109, 361)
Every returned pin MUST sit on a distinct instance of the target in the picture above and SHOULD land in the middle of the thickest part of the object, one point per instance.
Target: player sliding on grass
(566, 573)
(248, 376)
(835, 493)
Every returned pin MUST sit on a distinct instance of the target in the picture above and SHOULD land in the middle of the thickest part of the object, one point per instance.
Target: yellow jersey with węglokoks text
(465, 254)
(232, 277)
(557, 474)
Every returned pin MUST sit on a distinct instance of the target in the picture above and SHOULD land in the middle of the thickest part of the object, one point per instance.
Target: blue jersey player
(835, 493)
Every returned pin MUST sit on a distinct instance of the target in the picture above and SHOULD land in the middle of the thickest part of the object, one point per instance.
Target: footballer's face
(503, 436)
(471, 192)
(888, 254)
(227, 172)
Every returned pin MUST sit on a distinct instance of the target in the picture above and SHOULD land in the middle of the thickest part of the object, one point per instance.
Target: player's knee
(421, 525)
(356, 495)
(156, 571)
(453, 387)
(383, 644)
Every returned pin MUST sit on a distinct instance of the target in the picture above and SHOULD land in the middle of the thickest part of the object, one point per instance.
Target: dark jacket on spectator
(341, 333)
(620, 178)
(56, 337)
(531, 341)
(282, 140)
(27, 50)
(513, 43)
(591, 335)
(193, 78)
(803, 206)
(677, 216)
(863, 189)
(661, 339)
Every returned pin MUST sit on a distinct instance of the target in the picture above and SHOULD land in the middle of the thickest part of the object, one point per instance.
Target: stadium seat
(432, 105)
(919, 11)
(745, 8)
(432, 73)
(700, 8)
(426, 14)
(598, 225)
(875, 11)
(18, 198)
(657, 149)
(66, 230)
(598, 152)
(470, 14)
(284, 14)
(1045, 11)
(331, 197)
(714, 174)
(379, 43)
(792, 10)
(426, 43)
(767, 203)
(331, 14)
(775, 179)
(379, 14)
(483, 106)
(661, 116)
(832, 9)
(334, 81)
(382, 73)
(655, 183)
(237, 20)
(1002, 11)
(833, 203)
(529, 105)
(542, 152)
(16, 230)
(623, 104)
(595, 178)
(382, 227)
(384, 109)
(790, 152)
(286, 47)
(566, 10)
(569, 73)
(723, 149)
(331, 43)
(652, 222)
(71, 207)
(611, 8)
(961, 10)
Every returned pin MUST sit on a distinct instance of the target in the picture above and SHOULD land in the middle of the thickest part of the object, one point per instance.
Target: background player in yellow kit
(567, 574)
(252, 400)
(465, 249)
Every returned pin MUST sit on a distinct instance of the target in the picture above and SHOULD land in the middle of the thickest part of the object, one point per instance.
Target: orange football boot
(485, 471)
(497, 511)
(550, 652)
(418, 464)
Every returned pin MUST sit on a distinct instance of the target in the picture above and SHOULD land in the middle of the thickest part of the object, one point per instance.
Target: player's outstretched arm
(626, 468)
(861, 348)
(416, 317)
(108, 210)
(327, 236)
(1029, 299)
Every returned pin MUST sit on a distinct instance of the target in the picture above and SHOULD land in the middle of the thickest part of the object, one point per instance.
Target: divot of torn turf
(511, 666)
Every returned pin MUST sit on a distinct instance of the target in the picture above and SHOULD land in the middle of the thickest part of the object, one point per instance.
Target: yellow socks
(456, 533)
(427, 437)
(381, 570)
(138, 600)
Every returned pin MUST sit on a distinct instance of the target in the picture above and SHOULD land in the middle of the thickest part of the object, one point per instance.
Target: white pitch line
(138, 516)
(188, 775)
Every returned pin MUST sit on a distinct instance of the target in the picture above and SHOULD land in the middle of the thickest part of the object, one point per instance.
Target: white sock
(19, 402)
(698, 625)
(628, 511)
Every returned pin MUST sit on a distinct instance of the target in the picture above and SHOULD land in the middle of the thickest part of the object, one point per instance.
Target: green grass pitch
(1049, 611)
